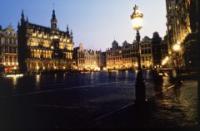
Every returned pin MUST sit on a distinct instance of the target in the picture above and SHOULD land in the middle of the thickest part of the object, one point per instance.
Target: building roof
(45, 29)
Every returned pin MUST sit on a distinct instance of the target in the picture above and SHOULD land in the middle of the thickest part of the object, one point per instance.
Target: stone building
(42, 48)
(129, 52)
(146, 53)
(178, 28)
(125, 57)
(88, 60)
(8, 49)
(114, 56)
(119, 57)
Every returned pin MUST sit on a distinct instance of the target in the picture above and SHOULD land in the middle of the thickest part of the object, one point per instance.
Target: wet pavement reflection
(178, 106)
(73, 100)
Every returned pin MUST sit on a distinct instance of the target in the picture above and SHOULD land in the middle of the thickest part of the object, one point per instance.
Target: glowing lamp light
(177, 47)
(137, 19)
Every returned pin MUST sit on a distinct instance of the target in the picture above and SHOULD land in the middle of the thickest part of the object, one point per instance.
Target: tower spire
(22, 16)
(53, 21)
(67, 29)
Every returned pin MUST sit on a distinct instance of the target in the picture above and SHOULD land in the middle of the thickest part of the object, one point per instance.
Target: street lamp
(137, 23)
(177, 47)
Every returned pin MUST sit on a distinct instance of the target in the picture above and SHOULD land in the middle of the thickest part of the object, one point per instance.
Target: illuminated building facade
(8, 49)
(129, 52)
(120, 57)
(146, 53)
(125, 56)
(114, 57)
(178, 28)
(42, 48)
(86, 59)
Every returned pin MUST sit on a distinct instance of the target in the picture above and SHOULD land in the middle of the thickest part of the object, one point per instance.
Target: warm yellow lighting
(15, 68)
(170, 52)
(37, 77)
(165, 60)
(37, 67)
(105, 69)
(136, 65)
(97, 69)
(177, 47)
(14, 75)
(55, 37)
(137, 23)
(137, 19)
(148, 64)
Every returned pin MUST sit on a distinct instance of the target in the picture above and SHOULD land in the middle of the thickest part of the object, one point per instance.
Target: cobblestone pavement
(175, 107)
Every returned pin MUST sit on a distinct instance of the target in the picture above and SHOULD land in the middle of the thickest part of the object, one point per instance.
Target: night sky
(95, 23)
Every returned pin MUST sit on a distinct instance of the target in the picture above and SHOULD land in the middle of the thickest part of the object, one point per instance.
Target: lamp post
(177, 49)
(137, 22)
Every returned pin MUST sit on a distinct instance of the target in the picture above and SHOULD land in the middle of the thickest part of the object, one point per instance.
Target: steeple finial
(22, 16)
(53, 14)
(67, 28)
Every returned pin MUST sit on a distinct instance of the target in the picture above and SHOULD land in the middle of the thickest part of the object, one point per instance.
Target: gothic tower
(53, 21)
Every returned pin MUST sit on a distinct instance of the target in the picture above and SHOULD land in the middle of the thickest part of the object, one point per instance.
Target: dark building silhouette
(156, 49)
(42, 48)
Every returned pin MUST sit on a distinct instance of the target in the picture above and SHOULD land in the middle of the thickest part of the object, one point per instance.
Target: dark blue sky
(95, 23)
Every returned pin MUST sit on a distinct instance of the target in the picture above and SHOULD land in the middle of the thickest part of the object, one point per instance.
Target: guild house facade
(8, 49)
(86, 59)
(125, 57)
(43, 48)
